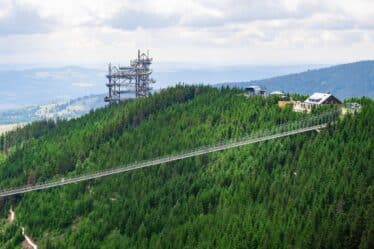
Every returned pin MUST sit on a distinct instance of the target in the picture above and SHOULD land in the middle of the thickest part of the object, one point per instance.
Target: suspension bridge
(292, 128)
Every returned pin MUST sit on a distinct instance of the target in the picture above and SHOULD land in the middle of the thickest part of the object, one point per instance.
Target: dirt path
(12, 216)
(28, 243)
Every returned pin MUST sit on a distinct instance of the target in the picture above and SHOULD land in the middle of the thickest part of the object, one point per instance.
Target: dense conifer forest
(313, 190)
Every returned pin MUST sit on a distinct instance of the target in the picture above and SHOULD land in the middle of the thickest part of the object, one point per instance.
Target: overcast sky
(218, 32)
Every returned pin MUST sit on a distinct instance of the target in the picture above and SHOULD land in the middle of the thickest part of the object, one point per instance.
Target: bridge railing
(285, 128)
(299, 124)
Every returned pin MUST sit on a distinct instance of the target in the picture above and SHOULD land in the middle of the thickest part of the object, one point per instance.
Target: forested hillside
(306, 191)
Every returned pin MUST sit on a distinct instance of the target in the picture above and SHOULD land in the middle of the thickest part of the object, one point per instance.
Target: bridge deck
(277, 133)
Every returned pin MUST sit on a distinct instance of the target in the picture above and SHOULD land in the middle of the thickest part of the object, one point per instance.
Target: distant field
(8, 127)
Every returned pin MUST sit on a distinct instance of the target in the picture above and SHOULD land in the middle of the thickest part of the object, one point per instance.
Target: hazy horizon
(45, 85)
(196, 41)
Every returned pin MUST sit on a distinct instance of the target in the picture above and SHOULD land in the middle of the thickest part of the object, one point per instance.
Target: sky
(186, 32)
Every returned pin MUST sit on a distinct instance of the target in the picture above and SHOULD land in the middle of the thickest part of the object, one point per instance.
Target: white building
(322, 98)
(314, 100)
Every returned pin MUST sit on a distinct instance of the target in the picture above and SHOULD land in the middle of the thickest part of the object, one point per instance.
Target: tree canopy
(312, 190)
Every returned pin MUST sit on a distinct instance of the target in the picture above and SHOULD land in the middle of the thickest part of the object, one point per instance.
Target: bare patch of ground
(9, 127)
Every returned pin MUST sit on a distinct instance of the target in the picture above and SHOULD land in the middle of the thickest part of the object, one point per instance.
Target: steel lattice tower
(133, 79)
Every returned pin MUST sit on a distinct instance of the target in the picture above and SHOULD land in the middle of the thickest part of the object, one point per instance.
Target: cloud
(242, 11)
(23, 20)
(90, 32)
(132, 19)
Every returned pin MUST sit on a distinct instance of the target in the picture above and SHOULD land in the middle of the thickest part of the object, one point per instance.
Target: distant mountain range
(346, 80)
(20, 88)
(66, 110)
(32, 87)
